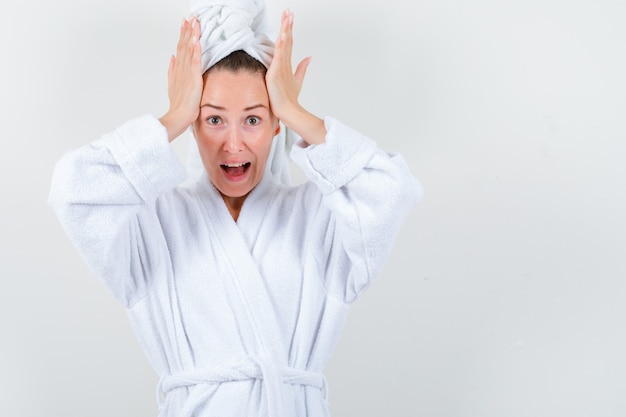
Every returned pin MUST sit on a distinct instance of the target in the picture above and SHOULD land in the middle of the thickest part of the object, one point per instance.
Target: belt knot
(249, 368)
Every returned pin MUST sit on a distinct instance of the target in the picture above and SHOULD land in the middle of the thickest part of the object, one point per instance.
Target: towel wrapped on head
(227, 26)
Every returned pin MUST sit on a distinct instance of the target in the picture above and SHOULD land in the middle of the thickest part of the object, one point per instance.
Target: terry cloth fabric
(238, 318)
(226, 27)
(248, 369)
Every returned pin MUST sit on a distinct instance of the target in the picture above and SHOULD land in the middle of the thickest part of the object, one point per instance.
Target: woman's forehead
(239, 89)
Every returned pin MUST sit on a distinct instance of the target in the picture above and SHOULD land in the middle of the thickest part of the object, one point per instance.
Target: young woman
(237, 287)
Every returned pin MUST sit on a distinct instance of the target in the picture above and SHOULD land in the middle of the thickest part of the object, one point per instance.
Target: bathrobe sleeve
(105, 193)
(366, 196)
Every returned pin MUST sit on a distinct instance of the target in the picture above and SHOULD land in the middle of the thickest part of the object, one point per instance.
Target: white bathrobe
(238, 318)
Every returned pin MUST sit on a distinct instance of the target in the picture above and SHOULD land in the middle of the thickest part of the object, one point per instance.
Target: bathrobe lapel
(235, 240)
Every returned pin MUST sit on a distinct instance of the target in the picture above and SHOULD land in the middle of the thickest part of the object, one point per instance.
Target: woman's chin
(235, 188)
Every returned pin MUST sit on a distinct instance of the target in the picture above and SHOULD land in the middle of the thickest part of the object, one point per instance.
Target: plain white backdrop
(505, 295)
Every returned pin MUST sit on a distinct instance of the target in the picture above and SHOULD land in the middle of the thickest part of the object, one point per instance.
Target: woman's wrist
(308, 126)
(174, 124)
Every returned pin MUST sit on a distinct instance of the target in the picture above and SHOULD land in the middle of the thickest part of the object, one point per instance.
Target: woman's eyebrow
(213, 106)
(256, 106)
(216, 107)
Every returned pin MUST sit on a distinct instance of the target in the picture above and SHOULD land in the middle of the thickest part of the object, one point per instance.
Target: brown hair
(239, 61)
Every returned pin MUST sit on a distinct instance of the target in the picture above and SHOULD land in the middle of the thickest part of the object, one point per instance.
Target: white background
(506, 292)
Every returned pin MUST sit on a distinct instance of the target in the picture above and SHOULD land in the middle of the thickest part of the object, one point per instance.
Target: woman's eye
(253, 120)
(214, 120)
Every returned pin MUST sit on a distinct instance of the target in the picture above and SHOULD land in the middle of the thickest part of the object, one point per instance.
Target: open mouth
(235, 170)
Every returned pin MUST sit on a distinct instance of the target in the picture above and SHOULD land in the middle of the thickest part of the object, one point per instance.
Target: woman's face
(235, 129)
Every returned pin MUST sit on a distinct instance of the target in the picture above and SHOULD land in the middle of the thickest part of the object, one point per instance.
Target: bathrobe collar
(237, 240)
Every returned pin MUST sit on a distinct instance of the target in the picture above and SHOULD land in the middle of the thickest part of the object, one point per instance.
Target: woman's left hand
(283, 87)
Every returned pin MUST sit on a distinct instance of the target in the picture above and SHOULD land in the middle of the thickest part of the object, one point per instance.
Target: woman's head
(235, 129)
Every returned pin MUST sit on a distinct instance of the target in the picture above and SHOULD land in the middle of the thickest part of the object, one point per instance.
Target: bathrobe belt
(203, 383)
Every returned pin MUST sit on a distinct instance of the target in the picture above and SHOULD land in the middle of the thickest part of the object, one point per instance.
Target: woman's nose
(234, 142)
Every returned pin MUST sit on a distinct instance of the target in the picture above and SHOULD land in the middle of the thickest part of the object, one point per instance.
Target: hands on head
(184, 81)
(283, 85)
(185, 84)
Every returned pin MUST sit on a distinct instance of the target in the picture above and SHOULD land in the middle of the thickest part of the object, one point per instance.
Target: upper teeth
(234, 165)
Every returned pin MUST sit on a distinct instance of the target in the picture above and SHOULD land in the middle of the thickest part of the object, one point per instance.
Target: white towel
(228, 26)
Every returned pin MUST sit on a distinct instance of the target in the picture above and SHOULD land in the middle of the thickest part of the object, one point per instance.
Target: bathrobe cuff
(333, 164)
(143, 152)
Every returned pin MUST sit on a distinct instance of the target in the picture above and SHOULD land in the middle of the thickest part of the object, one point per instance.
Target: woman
(237, 287)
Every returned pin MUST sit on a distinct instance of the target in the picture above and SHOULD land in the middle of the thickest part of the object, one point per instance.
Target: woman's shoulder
(303, 199)
(183, 200)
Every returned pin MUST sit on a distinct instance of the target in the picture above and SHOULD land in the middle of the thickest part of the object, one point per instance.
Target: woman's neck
(234, 204)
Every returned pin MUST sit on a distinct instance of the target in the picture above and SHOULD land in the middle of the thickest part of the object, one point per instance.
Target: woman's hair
(239, 61)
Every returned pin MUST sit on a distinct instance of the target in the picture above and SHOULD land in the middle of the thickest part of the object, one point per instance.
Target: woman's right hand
(184, 79)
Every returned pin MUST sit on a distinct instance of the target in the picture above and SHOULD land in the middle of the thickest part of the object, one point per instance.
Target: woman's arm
(367, 196)
(367, 192)
(105, 193)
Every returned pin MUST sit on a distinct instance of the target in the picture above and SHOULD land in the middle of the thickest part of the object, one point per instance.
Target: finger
(197, 47)
(170, 69)
(196, 30)
(181, 38)
(182, 29)
(284, 19)
(190, 36)
(278, 51)
(301, 69)
(290, 19)
(282, 47)
(185, 45)
(284, 26)
(287, 31)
